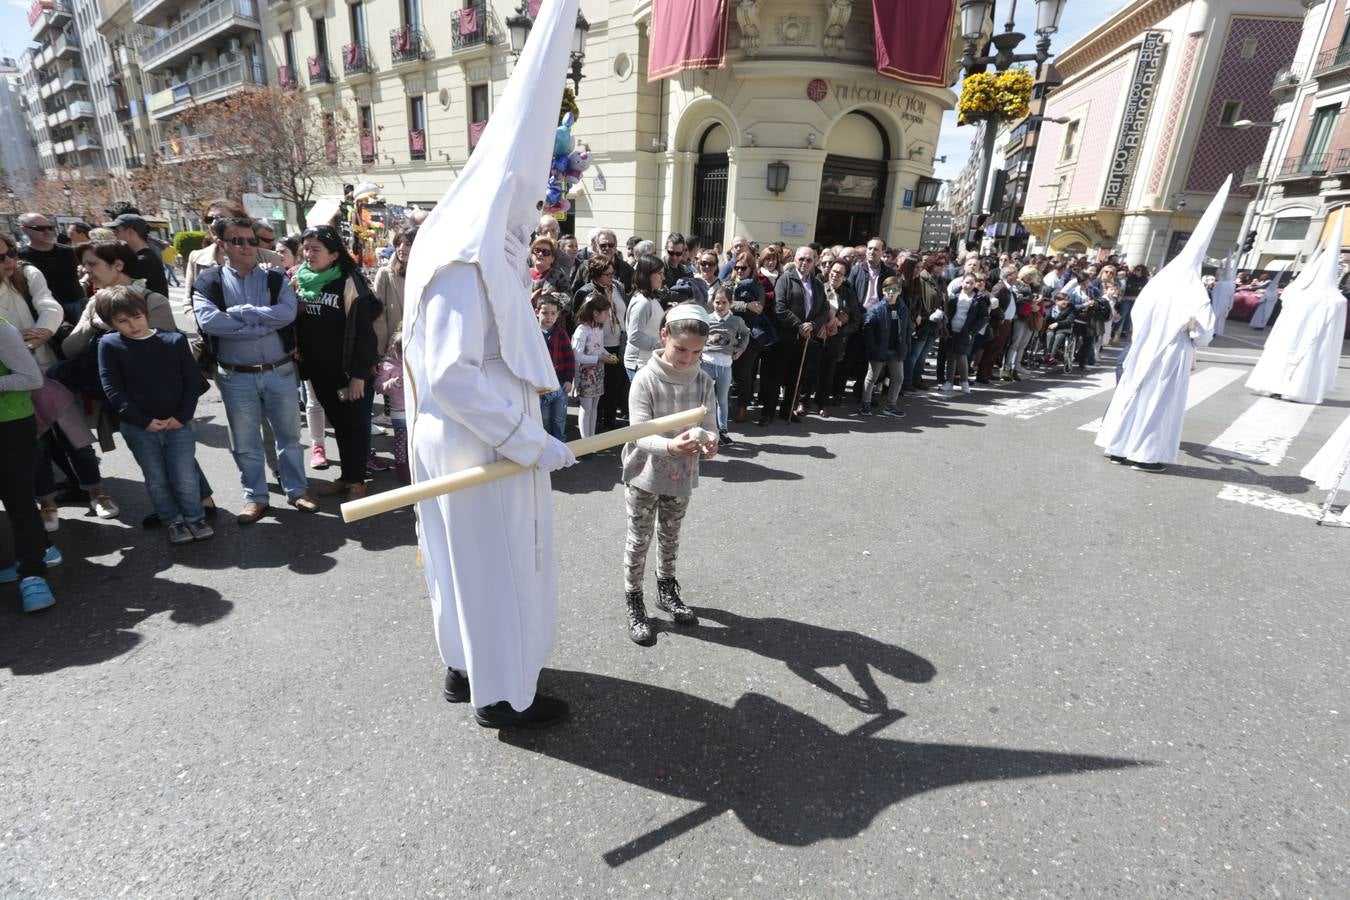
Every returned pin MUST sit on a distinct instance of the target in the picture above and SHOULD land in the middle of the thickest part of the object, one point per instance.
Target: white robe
(1323, 468)
(1222, 300)
(1303, 351)
(487, 552)
(1147, 411)
(1261, 317)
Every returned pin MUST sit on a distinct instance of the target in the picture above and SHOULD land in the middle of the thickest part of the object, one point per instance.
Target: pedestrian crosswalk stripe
(1031, 405)
(1263, 433)
(1204, 384)
(1287, 505)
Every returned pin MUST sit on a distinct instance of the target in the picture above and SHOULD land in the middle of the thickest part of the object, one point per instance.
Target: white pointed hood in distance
(497, 193)
(1320, 295)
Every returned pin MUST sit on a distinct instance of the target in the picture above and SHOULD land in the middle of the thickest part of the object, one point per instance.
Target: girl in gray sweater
(661, 472)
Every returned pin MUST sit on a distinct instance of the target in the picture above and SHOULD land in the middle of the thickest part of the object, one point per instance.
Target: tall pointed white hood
(497, 194)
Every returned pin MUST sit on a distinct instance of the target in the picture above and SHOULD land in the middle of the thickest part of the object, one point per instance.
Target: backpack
(205, 347)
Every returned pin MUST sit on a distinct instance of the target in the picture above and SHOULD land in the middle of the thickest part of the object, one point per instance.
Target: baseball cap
(132, 221)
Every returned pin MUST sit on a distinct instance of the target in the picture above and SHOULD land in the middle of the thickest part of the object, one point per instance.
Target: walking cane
(801, 367)
(1335, 489)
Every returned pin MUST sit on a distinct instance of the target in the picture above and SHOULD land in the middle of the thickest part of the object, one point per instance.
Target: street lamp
(973, 16)
(518, 28)
(1250, 214)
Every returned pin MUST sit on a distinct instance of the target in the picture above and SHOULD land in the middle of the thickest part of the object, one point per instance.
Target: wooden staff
(801, 367)
(476, 475)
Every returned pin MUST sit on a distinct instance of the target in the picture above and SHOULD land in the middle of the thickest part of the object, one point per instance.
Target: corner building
(690, 153)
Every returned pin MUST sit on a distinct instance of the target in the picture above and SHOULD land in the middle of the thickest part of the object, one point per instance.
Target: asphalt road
(959, 655)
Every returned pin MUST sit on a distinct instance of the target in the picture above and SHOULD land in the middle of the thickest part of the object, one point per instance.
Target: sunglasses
(891, 290)
(10, 254)
(606, 246)
(39, 228)
(542, 251)
(207, 220)
(242, 241)
(707, 263)
(675, 253)
(742, 268)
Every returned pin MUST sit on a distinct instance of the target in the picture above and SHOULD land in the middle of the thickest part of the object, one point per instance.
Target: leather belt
(253, 370)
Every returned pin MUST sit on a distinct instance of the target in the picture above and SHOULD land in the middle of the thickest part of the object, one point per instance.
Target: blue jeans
(553, 406)
(248, 398)
(918, 352)
(168, 462)
(721, 376)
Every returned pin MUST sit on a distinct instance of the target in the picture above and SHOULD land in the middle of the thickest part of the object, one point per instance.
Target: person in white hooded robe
(1172, 317)
(1264, 309)
(475, 365)
(1303, 351)
(1221, 297)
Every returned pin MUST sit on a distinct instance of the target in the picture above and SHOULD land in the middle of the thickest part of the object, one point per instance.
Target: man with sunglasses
(211, 252)
(603, 244)
(738, 243)
(675, 259)
(56, 263)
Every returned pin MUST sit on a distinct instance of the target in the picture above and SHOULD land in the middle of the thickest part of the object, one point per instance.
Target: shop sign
(911, 107)
(1137, 107)
(794, 229)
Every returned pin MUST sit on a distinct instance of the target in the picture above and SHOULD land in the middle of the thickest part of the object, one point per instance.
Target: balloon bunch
(565, 171)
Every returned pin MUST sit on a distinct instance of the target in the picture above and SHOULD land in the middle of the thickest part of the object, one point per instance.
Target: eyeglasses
(242, 241)
(707, 263)
(10, 254)
(606, 246)
(890, 290)
(742, 268)
(541, 251)
(39, 228)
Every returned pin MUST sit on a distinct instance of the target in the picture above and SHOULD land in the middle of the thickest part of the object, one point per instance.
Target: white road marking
(1263, 433)
(1029, 406)
(1287, 505)
(1204, 384)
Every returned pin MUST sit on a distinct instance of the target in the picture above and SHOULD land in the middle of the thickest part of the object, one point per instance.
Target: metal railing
(408, 44)
(417, 143)
(319, 73)
(236, 74)
(356, 60)
(72, 76)
(367, 147)
(470, 27)
(1305, 166)
(1334, 58)
(1341, 162)
(286, 77)
(190, 29)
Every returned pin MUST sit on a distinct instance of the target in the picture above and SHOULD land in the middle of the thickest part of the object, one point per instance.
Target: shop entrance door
(852, 194)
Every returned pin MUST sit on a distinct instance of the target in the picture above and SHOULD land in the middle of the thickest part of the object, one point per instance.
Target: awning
(323, 211)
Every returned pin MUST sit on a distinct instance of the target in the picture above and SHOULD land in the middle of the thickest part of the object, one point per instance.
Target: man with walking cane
(799, 299)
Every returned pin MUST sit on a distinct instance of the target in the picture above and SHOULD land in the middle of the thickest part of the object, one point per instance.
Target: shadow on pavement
(788, 778)
(806, 649)
(1233, 470)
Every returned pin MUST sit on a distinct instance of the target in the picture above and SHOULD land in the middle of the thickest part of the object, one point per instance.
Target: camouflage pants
(648, 513)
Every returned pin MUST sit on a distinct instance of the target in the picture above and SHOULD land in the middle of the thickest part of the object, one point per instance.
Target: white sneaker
(946, 387)
(965, 388)
(51, 518)
(103, 506)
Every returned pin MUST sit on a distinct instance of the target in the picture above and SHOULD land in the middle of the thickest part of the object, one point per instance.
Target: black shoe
(1148, 467)
(456, 686)
(724, 438)
(766, 419)
(668, 600)
(1118, 460)
(151, 521)
(639, 629)
(542, 713)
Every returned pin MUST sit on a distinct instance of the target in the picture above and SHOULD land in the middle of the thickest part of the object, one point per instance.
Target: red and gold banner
(687, 34)
(912, 39)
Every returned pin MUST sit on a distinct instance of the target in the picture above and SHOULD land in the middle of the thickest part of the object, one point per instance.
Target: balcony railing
(408, 44)
(417, 143)
(233, 75)
(86, 141)
(183, 146)
(286, 77)
(81, 109)
(1285, 79)
(66, 44)
(469, 27)
(1341, 161)
(1309, 165)
(356, 60)
(1332, 59)
(73, 76)
(367, 147)
(187, 32)
(318, 70)
(47, 12)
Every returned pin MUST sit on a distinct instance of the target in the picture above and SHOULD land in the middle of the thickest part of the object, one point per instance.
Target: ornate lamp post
(518, 27)
(974, 14)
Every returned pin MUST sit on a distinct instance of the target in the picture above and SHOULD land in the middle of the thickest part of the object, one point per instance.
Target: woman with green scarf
(337, 350)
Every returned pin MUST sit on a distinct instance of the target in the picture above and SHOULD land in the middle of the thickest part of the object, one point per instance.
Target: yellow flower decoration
(994, 95)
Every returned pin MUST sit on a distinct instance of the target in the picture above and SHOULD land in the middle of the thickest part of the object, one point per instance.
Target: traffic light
(1249, 241)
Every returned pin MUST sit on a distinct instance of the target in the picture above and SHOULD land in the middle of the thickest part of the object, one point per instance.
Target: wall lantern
(926, 191)
(778, 176)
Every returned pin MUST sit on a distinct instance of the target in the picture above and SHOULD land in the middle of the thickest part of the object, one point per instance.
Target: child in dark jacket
(152, 383)
(883, 344)
(553, 405)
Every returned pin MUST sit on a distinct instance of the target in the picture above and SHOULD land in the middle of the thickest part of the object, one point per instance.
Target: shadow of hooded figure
(806, 649)
(787, 777)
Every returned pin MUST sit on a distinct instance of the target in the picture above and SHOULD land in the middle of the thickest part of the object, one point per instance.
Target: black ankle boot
(668, 599)
(639, 629)
(456, 686)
